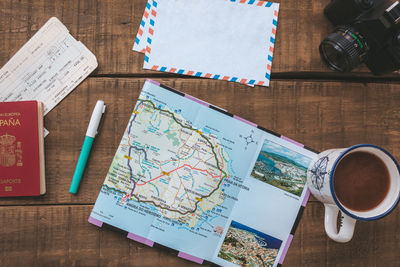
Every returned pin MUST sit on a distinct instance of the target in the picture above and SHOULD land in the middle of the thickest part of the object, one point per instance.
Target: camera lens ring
(327, 50)
(344, 49)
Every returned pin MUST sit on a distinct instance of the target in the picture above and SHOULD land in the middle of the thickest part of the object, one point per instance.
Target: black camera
(366, 31)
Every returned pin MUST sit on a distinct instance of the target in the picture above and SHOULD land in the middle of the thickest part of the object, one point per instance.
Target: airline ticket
(47, 68)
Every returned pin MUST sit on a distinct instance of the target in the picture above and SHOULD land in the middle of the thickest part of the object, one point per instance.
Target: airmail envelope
(218, 39)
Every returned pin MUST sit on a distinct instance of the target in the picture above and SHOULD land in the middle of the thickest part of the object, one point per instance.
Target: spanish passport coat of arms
(22, 171)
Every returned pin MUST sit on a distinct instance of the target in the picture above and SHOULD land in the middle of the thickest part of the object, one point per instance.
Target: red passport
(22, 171)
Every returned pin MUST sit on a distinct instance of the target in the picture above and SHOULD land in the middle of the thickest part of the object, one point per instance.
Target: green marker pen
(91, 132)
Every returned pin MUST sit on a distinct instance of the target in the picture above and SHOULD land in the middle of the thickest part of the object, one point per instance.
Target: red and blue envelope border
(142, 25)
(151, 14)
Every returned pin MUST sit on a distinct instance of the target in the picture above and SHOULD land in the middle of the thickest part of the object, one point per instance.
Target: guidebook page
(267, 205)
(197, 179)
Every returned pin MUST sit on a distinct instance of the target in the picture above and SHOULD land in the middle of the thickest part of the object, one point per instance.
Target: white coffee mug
(320, 182)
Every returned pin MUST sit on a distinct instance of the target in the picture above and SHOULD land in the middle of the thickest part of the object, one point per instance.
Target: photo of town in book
(248, 247)
(281, 167)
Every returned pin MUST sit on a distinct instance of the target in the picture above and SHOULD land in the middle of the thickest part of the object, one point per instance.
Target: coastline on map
(281, 167)
(246, 246)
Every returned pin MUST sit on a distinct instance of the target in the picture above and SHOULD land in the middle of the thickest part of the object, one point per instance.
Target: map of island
(164, 161)
(186, 172)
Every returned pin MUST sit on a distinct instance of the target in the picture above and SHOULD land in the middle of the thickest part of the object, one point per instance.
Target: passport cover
(21, 149)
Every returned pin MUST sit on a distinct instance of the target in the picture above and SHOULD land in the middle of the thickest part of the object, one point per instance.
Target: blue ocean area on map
(173, 234)
(109, 211)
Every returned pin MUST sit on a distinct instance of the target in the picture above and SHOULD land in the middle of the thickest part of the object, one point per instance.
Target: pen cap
(95, 119)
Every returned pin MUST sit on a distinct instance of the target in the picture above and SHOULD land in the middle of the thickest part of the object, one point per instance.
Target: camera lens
(344, 49)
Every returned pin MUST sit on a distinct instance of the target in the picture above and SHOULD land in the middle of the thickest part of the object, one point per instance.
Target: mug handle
(346, 228)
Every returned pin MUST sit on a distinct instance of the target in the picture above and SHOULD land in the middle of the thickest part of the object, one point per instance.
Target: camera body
(366, 31)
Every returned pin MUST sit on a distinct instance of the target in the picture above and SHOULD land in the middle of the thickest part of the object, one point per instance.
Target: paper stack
(218, 39)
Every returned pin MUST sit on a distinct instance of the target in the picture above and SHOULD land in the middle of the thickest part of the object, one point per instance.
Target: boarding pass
(47, 68)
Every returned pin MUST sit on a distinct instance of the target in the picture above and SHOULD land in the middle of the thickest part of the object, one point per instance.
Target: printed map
(165, 161)
(177, 172)
(182, 178)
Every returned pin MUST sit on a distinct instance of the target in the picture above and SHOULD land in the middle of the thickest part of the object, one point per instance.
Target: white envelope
(226, 40)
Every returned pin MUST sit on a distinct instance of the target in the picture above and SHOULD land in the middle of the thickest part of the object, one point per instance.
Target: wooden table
(305, 101)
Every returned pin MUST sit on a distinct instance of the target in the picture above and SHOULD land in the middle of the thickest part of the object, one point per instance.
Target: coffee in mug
(361, 182)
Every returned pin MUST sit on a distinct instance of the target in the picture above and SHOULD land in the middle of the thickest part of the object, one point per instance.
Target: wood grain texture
(321, 115)
(373, 244)
(61, 236)
(324, 113)
(108, 28)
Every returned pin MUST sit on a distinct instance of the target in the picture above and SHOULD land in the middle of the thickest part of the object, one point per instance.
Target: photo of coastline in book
(281, 167)
(248, 247)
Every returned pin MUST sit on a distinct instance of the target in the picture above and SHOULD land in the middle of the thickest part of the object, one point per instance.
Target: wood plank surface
(61, 236)
(108, 28)
(306, 102)
(321, 115)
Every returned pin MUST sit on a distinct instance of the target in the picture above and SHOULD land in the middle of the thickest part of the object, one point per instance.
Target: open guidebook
(208, 184)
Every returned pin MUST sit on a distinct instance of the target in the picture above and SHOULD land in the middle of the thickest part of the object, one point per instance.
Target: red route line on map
(196, 169)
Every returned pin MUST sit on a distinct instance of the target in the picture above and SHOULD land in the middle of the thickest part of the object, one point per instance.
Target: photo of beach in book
(201, 181)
